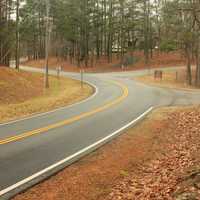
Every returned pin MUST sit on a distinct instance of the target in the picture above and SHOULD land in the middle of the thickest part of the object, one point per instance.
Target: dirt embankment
(157, 159)
(23, 93)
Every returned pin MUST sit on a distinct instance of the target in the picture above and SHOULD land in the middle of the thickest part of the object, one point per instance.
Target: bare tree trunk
(146, 30)
(17, 37)
(5, 47)
(197, 81)
(47, 46)
(189, 70)
(110, 33)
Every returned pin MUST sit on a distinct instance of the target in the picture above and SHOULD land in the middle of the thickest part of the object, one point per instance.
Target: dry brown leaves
(174, 173)
(102, 64)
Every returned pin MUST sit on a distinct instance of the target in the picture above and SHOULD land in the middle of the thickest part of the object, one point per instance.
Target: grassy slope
(169, 80)
(22, 94)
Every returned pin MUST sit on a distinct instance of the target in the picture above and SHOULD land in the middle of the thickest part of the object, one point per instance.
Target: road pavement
(33, 148)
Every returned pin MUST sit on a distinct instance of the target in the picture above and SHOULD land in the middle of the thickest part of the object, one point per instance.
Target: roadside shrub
(167, 46)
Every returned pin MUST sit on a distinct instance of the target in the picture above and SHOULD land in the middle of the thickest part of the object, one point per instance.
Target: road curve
(36, 147)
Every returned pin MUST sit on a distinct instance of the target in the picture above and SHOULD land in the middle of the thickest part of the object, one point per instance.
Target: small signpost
(158, 74)
(176, 75)
(82, 73)
(58, 69)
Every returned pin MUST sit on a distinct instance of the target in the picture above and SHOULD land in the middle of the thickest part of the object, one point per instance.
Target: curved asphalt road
(106, 112)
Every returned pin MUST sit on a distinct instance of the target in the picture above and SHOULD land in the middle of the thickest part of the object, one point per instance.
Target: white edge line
(58, 109)
(36, 175)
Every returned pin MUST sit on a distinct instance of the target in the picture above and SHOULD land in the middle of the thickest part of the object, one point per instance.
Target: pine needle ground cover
(22, 93)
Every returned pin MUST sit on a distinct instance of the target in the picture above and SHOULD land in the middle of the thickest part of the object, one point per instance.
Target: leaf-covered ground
(102, 64)
(157, 159)
(173, 79)
(174, 172)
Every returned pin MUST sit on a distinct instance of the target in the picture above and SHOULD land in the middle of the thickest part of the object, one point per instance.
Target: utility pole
(47, 45)
(17, 37)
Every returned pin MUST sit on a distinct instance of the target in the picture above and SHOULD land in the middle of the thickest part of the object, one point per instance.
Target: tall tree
(17, 53)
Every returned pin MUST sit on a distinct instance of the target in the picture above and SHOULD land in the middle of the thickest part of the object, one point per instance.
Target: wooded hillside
(84, 30)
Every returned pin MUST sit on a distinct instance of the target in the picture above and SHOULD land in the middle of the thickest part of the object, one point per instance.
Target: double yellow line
(69, 121)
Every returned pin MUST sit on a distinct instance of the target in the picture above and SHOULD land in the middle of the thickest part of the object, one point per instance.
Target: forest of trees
(85, 30)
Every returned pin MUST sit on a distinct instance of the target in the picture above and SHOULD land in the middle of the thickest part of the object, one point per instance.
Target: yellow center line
(70, 120)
